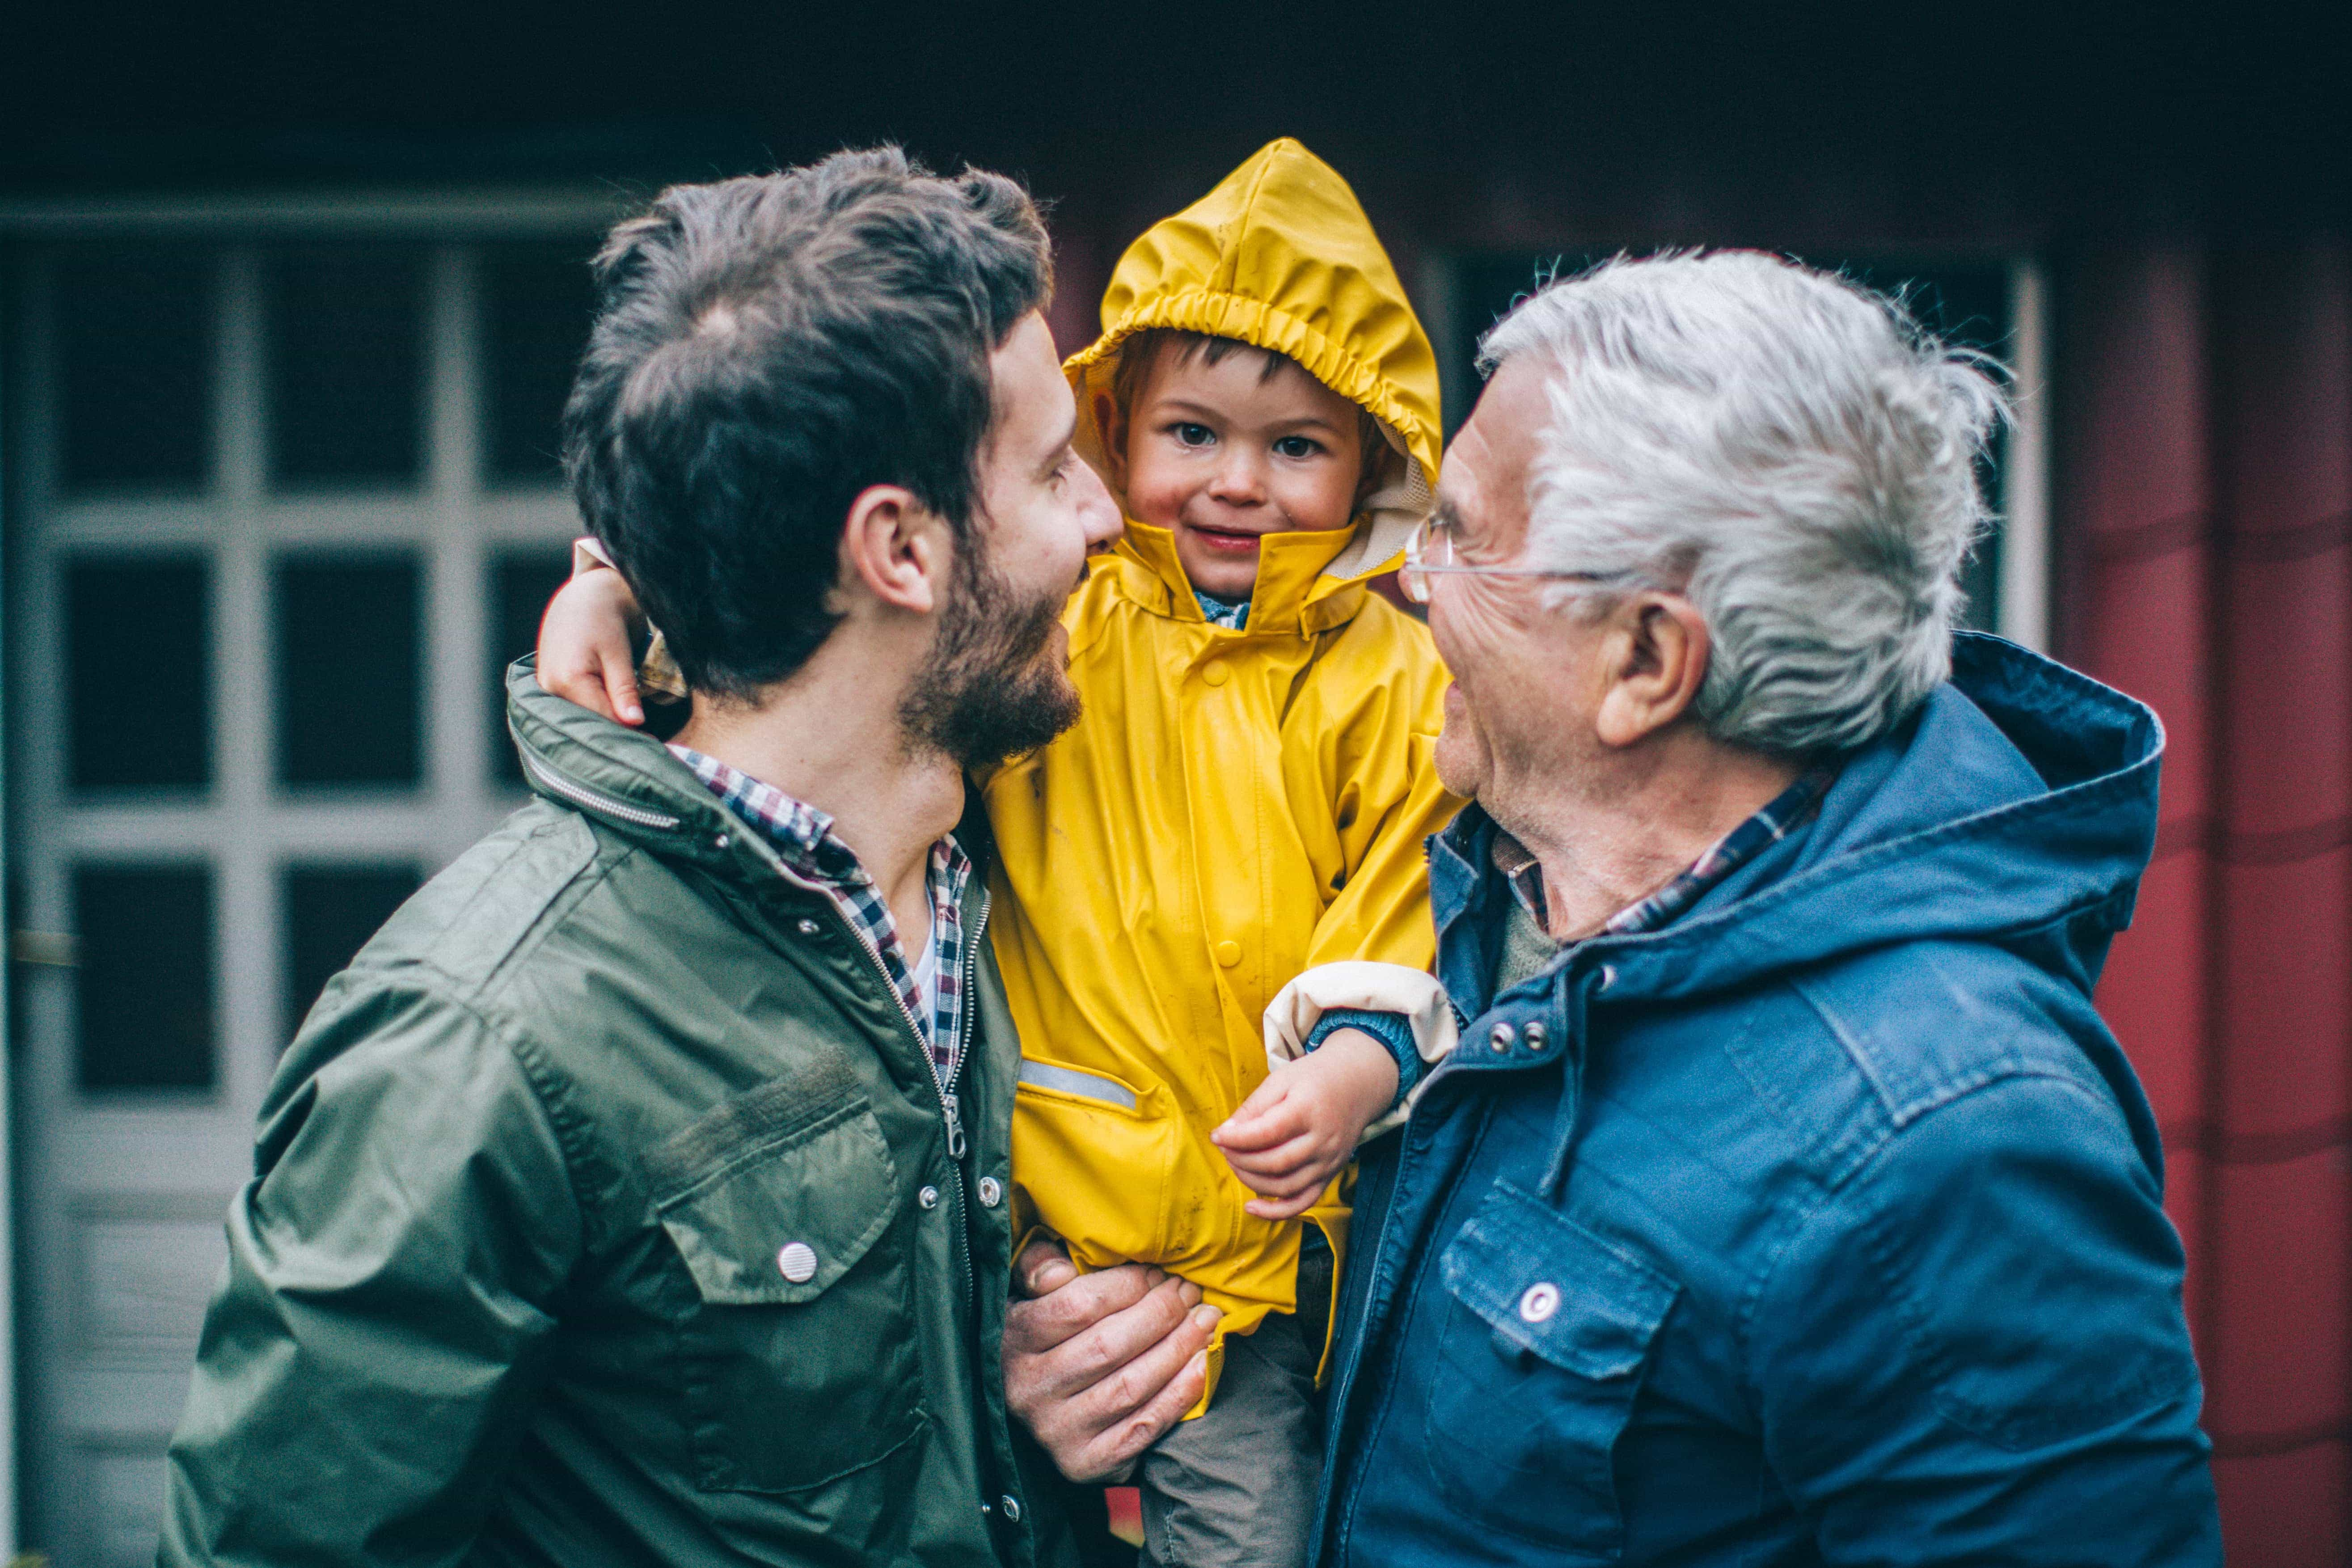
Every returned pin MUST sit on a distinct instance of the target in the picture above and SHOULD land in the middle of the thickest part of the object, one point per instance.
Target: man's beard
(989, 690)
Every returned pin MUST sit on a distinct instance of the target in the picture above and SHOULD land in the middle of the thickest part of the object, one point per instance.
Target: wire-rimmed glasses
(1429, 551)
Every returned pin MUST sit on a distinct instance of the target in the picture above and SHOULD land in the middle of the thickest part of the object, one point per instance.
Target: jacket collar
(1294, 592)
(2018, 806)
(632, 786)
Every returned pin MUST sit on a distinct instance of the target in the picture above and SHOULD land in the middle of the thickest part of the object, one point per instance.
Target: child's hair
(1139, 353)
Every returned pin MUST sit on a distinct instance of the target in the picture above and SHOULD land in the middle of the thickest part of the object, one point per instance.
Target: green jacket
(507, 1287)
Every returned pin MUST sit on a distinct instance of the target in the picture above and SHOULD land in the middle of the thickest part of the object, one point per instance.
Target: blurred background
(288, 301)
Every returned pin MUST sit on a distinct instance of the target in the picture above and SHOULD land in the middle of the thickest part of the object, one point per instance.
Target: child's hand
(584, 645)
(1301, 1125)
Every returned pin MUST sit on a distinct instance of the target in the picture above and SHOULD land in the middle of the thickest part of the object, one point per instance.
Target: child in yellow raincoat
(1243, 800)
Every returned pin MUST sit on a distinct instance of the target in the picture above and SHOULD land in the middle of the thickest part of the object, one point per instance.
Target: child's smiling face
(1223, 454)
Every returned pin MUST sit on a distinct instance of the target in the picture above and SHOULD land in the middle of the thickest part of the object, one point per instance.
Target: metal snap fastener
(992, 1191)
(1502, 1035)
(720, 842)
(1608, 975)
(929, 1198)
(1215, 673)
(810, 928)
(1228, 954)
(1540, 1301)
(1535, 1033)
(1011, 1507)
(796, 1261)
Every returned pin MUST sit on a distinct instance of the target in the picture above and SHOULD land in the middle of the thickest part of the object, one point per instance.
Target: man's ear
(1659, 645)
(1111, 420)
(894, 550)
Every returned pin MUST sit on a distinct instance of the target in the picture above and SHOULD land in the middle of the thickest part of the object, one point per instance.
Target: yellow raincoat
(1235, 807)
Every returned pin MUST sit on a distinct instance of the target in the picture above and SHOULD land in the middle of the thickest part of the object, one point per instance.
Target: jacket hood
(2018, 806)
(1281, 256)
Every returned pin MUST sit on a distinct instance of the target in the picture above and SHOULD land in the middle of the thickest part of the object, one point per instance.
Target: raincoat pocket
(1094, 1156)
(1548, 1331)
(798, 1349)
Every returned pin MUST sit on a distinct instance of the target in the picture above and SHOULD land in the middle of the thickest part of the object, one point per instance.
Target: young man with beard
(639, 1193)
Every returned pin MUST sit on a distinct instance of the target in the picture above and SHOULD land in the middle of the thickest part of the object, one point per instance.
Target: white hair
(1789, 450)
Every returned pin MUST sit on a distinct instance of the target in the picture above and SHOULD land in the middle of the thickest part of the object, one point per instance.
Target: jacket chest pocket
(798, 1351)
(1547, 1332)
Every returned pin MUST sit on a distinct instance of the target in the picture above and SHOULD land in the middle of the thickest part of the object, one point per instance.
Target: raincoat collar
(1295, 591)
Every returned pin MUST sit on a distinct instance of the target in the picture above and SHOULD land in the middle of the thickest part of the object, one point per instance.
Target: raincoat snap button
(1011, 1507)
(929, 1198)
(796, 1261)
(1228, 954)
(810, 928)
(992, 1191)
(1540, 1302)
(1502, 1036)
(1215, 673)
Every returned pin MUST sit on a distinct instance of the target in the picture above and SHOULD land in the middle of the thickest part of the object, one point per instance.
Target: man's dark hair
(765, 349)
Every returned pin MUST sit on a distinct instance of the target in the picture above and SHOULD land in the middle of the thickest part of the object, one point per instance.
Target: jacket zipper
(950, 1109)
(581, 796)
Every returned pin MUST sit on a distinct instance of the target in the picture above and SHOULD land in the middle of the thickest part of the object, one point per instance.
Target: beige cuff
(1369, 988)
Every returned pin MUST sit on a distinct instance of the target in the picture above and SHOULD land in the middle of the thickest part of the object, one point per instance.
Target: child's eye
(1296, 446)
(1193, 435)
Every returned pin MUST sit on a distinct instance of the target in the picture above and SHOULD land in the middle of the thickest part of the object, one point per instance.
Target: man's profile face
(1517, 711)
(997, 683)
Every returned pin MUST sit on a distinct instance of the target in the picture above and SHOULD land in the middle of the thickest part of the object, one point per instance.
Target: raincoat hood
(1280, 255)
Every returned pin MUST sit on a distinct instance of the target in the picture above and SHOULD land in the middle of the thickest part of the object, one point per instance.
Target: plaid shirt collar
(1783, 815)
(1218, 613)
(803, 836)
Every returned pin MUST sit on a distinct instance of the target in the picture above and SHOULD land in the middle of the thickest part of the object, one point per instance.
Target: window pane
(134, 359)
(345, 366)
(349, 688)
(331, 911)
(146, 978)
(520, 585)
(537, 302)
(139, 673)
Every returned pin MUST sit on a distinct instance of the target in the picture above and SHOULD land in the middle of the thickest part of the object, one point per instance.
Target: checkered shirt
(1218, 613)
(1785, 813)
(804, 838)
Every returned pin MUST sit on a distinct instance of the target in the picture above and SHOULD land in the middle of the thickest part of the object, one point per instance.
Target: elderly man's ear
(1654, 657)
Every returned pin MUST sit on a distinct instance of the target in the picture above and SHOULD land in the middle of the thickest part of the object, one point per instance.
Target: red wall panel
(2207, 425)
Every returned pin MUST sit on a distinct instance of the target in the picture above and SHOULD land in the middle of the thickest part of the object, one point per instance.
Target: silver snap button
(1535, 1033)
(796, 1261)
(1011, 1507)
(991, 1192)
(1540, 1302)
(808, 928)
(1502, 1036)
(1608, 975)
(929, 1198)
(721, 841)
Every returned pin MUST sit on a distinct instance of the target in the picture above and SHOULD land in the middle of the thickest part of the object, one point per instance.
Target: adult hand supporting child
(1301, 1125)
(1098, 1365)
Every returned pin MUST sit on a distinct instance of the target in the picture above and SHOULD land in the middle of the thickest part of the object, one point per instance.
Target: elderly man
(1785, 1200)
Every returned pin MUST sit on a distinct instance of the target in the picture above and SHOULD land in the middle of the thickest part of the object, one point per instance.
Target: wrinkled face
(1222, 455)
(997, 681)
(1520, 714)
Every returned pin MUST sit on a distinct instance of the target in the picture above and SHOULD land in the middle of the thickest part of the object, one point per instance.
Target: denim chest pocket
(797, 1352)
(1547, 1335)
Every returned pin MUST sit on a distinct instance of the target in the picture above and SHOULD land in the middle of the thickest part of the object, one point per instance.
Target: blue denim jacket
(1822, 1225)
